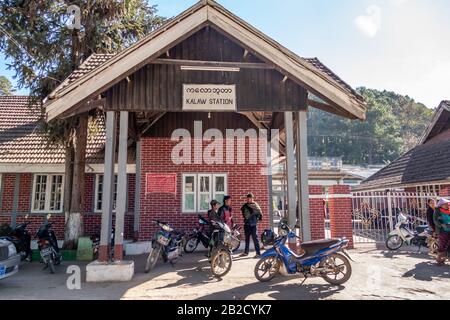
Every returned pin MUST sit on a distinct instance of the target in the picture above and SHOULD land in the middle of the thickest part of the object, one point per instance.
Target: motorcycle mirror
(27, 216)
(49, 216)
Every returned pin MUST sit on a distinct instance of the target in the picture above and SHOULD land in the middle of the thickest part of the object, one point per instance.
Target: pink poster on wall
(161, 183)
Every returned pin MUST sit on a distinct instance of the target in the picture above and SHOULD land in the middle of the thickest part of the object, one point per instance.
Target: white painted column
(121, 202)
(270, 178)
(108, 185)
(302, 174)
(290, 168)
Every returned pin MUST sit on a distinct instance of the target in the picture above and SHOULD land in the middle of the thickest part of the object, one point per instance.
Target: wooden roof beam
(215, 64)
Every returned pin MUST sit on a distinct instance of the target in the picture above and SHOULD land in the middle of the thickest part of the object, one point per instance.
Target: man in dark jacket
(252, 214)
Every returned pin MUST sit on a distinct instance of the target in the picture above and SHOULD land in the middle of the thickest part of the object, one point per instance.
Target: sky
(397, 45)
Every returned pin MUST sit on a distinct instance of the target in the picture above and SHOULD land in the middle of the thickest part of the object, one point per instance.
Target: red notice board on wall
(161, 183)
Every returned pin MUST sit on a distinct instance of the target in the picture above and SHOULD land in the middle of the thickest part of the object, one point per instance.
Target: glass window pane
(204, 184)
(189, 184)
(219, 197)
(39, 196)
(220, 184)
(204, 202)
(189, 202)
(55, 195)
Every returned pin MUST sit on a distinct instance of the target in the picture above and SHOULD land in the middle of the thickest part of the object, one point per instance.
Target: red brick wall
(8, 192)
(341, 213)
(317, 213)
(92, 220)
(156, 158)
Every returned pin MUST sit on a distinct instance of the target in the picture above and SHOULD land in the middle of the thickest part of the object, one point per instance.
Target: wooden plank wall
(158, 87)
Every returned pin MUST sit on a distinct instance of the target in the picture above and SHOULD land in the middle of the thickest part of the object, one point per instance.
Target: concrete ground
(377, 274)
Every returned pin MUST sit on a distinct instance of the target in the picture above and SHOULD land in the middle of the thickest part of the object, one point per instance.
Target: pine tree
(36, 37)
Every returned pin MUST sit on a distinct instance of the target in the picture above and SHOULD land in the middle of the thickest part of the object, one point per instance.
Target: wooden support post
(108, 186)
(302, 174)
(290, 169)
(121, 206)
(270, 179)
(137, 194)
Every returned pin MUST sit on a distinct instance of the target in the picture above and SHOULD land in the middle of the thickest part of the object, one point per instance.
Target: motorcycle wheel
(152, 259)
(191, 245)
(336, 265)
(394, 242)
(221, 263)
(267, 269)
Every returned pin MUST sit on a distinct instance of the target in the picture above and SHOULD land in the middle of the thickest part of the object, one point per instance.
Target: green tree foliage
(39, 42)
(394, 125)
(6, 88)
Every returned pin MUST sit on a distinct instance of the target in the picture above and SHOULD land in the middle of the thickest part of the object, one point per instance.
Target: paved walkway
(377, 274)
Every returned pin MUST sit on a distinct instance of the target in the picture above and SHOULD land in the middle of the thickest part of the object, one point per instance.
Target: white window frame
(183, 193)
(202, 193)
(197, 194)
(48, 191)
(97, 182)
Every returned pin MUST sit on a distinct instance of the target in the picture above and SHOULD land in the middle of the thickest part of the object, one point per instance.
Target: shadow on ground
(428, 271)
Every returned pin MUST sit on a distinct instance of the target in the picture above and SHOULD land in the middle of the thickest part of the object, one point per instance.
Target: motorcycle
(221, 248)
(96, 243)
(404, 235)
(200, 236)
(48, 246)
(166, 243)
(22, 240)
(327, 259)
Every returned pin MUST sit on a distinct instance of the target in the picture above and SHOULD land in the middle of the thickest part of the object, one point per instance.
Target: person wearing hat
(442, 228)
(252, 213)
(226, 212)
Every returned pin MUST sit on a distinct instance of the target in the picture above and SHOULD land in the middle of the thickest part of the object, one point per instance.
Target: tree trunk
(74, 225)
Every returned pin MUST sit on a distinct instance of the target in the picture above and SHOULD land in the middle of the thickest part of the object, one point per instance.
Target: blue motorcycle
(327, 259)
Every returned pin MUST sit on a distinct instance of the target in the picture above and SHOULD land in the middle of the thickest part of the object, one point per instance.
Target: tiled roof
(23, 142)
(319, 65)
(87, 66)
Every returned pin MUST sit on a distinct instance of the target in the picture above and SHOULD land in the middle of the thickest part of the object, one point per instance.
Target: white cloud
(370, 23)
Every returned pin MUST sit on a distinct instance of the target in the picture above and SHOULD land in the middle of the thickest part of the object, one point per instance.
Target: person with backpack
(252, 214)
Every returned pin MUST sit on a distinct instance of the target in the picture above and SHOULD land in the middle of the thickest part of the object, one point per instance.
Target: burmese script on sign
(209, 97)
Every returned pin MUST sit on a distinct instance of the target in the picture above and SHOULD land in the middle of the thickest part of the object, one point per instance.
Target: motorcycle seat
(313, 247)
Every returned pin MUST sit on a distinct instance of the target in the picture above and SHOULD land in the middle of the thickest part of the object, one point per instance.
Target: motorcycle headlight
(12, 250)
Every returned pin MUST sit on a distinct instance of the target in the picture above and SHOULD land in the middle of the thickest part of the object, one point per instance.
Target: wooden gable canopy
(270, 78)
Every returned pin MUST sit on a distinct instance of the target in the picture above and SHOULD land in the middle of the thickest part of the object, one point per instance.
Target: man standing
(252, 214)
(226, 212)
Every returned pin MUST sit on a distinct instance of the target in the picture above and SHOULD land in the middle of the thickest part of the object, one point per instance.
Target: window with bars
(99, 193)
(199, 190)
(434, 189)
(48, 193)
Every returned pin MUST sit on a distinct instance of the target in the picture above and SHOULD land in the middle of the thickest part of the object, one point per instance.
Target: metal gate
(374, 214)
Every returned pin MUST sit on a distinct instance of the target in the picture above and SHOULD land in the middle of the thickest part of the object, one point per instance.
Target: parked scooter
(21, 239)
(166, 243)
(404, 235)
(221, 248)
(48, 246)
(200, 236)
(96, 243)
(327, 259)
